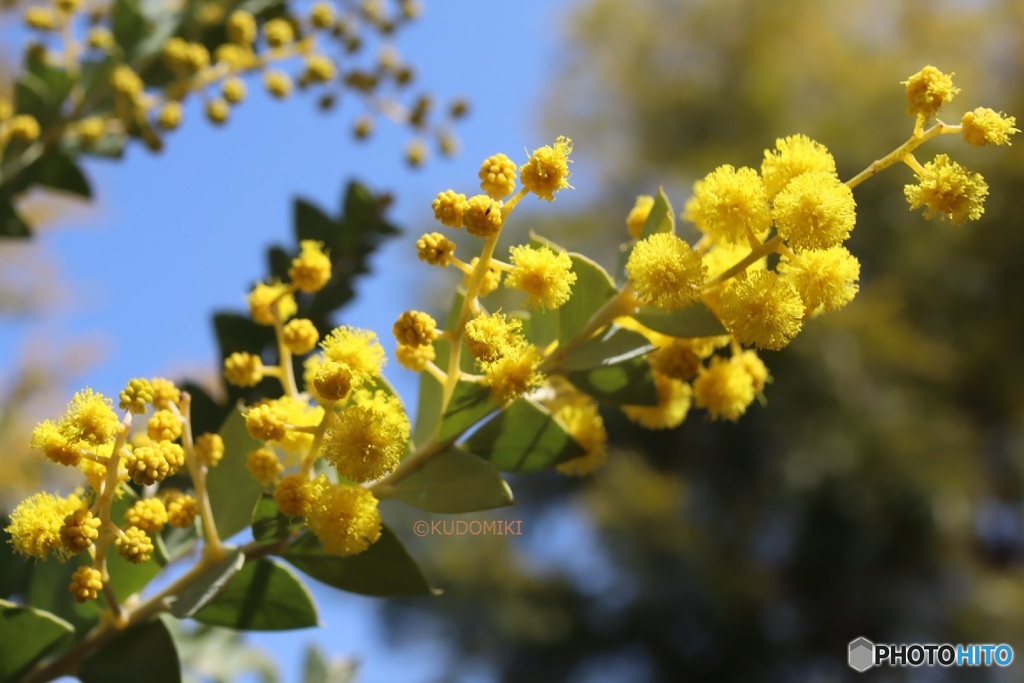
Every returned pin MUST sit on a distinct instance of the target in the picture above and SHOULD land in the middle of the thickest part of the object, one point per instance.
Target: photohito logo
(862, 654)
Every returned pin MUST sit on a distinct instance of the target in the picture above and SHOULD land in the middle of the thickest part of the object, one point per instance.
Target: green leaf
(470, 403)
(26, 635)
(233, 491)
(311, 223)
(630, 382)
(15, 569)
(48, 590)
(11, 223)
(661, 218)
(428, 410)
(593, 289)
(384, 569)
(58, 171)
(263, 596)
(146, 650)
(455, 481)
(612, 346)
(240, 333)
(523, 437)
(696, 320)
(127, 578)
(205, 590)
(318, 669)
(41, 91)
(540, 326)
(269, 524)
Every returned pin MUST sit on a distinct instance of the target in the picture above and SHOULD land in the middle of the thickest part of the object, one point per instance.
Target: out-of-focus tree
(882, 492)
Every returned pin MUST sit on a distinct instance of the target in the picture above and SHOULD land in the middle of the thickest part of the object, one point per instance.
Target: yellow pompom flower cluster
(415, 328)
(344, 518)
(36, 523)
(983, 126)
(665, 272)
(729, 204)
(311, 269)
(928, 90)
(946, 189)
(368, 438)
(547, 170)
(544, 275)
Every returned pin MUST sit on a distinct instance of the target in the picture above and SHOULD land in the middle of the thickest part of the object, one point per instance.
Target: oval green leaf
(455, 481)
(593, 289)
(470, 403)
(269, 524)
(696, 320)
(146, 650)
(661, 218)
(384, 569)
(524, 437)
(201, 593)
(630, 383)
(614, 345)
(27, 634)
(233, 492)
(263, 596)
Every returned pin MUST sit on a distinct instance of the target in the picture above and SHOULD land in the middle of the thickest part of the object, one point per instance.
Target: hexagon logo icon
(861, 654)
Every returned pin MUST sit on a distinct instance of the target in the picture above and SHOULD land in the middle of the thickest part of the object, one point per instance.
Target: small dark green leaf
(696, 320)
(15, 569)
(593, 289)
(204, 591)
(146, 648)
(11, 223)
(49, 591)
(239, 333)
(540, 326)
(612, 346)
(269, 524)
(311, 223)
(26, 634)
(41, 91)
(428, 410)
(523, 437)
(384, 569)
(630, 382)
(58, 171)
(455, 481)
(470, 403)
(278, 262)
(263, 596)
(661, 218)
(233, 491)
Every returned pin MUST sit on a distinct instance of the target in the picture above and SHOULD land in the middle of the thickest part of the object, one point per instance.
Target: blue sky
(173, 237)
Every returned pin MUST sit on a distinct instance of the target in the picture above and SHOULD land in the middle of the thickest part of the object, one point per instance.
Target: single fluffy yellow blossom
(435, 248)
(278, 32)
(233, 90)
(100, 38)
(321, 15)
(491, 281)
(169, 116)
(545, 275)
(678, 359)
(637, 218)
(332, 382)
(165, 393)
(292, 495)
(415, 358)
(79, 531)
(278, 84)
(794, 155)
(136, 395)
(209, 449)
(266, 421)
(984, 126)
(86, 584)
(729, 204)
(826, 279)
(449, 208)
(300, 335)
(725, 388)
(40, 18)
(241, 28)
(514, 374)
(271, 301)
(48, 440)
(218, 111)
(90, 417)
(125, 81)
(494, 335)
(23, 127)
(134, 545)
(344, 518)
(498, 176)
(415, 328)
(320, 69)
(928, 90)
(311, 269)
(264, 465)
(674, 398)
(368, 438)
(665, 272)
(764, 310)
(152, 463)
(584, 424)
(36, 522)
(482, 216)
(547, 170)
(243, 369)
(752, 363)
(163, 425)
(948, 190)
(814, 211)
(415, 153)
(356, 348)
(148, 514)
(182, 509)
(91, 129)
